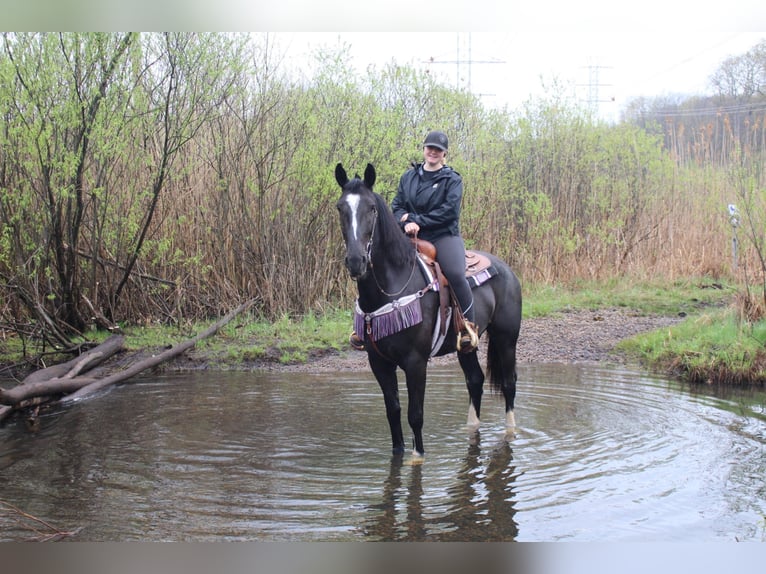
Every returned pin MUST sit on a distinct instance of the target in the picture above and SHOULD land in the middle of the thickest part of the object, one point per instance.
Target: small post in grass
(734, 221)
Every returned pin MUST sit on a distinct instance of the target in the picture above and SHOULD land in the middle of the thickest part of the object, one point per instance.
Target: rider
(427, 204)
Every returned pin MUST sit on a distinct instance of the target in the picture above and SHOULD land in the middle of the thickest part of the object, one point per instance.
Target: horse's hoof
(416, 459)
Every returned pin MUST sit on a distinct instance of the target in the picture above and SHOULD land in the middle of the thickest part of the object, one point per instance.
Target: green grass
(711, 347)
(246, 339)
(651, 298)
(252, 339)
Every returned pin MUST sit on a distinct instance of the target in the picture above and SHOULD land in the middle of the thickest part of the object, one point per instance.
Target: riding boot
(468, 338)
(355, 341)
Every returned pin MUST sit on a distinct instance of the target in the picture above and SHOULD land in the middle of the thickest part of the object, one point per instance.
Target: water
(601, 453)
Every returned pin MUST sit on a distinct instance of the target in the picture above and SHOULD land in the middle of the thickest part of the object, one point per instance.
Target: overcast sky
(609, 51)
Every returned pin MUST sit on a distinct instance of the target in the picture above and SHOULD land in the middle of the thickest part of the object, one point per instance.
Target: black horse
(398, 310)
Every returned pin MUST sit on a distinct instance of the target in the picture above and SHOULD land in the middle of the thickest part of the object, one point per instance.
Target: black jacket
(432, 203)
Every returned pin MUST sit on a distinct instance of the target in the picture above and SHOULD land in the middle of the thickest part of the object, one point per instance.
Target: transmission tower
(594, 87)
(461, 47)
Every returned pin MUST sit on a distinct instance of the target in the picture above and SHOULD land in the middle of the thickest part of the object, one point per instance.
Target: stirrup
(468, 338)
(355, 341)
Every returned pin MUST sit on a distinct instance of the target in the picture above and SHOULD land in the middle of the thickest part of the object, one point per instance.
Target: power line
(725, 109)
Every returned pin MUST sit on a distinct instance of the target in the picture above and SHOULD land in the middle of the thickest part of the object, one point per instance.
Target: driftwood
(39, 529)
(62, 378)
(66, 379)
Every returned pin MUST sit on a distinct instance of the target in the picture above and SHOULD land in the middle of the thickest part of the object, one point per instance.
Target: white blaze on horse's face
(353, 203)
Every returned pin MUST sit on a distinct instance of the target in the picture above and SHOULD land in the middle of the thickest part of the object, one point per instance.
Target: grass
(712, 347)
(648, 297)
(246, 339)
(249, 339)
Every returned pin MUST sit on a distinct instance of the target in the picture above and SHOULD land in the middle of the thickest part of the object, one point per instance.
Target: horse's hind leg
(474, 381)
(509, 387)
(509, 391)
(501, 365)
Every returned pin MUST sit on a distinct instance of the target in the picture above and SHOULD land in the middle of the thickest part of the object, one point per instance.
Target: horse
(399, 309)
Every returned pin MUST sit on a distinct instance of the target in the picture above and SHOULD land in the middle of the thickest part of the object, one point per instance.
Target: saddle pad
(475, 263)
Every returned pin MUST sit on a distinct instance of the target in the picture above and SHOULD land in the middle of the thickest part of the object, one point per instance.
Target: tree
(740, 78)
(183, 87)
(55, 90)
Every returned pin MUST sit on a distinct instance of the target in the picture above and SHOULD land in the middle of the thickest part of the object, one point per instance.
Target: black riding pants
(450, 253)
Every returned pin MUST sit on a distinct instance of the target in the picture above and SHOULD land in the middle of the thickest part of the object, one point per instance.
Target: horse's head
(358, 212)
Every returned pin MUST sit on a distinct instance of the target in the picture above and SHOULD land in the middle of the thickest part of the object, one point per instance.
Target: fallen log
(153, 361)
(62, 378)
(57, 379)
(65, 378)
(79, 364)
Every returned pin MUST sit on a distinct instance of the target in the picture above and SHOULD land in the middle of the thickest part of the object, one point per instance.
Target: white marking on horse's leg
(353, 203)
(510, 421)
(416, 458)
(473, 420)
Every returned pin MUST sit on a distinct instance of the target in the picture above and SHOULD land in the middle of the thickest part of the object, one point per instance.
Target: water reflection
(478, 505)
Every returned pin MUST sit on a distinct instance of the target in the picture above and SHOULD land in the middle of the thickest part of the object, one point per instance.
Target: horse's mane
(397, 245)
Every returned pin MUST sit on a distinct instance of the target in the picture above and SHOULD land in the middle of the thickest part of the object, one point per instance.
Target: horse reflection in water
(396, 289)
(480, 507)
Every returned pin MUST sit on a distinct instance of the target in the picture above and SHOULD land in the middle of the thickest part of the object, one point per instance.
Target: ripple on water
(601, 453)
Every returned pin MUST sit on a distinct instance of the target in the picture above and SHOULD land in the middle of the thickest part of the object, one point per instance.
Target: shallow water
(601, 453)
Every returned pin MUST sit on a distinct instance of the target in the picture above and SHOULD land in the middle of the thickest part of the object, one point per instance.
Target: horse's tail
(501, 363)
(494, 365)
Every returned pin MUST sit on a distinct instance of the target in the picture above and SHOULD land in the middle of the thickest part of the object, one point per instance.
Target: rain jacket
(433, 203)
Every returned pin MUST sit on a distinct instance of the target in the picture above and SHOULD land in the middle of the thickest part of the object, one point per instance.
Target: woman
(427, 205)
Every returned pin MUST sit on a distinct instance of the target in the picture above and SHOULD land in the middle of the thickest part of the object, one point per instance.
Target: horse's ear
(369, 176)
(340, 175)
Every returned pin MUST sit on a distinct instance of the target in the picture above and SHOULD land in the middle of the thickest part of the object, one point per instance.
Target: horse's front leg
(385, 374)
(416, 391)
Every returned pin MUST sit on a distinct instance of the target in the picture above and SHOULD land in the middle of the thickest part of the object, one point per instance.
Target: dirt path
(580, 336)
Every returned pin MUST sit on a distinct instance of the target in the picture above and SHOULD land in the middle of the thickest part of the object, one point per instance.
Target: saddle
(478, 269)
(475, 263)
